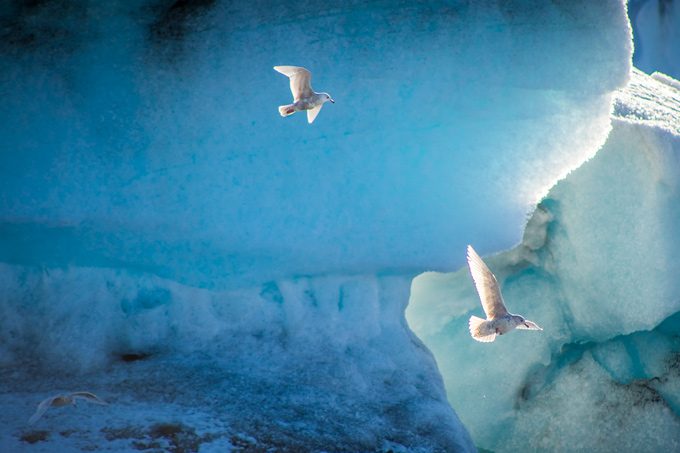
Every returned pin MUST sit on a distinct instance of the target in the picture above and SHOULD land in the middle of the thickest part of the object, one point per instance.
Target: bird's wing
(487, 286)
(42, 408)
(89, 397)
(311, 113)
(300, 80)
(528, 325)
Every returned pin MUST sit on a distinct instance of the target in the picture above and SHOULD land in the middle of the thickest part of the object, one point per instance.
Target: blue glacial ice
(147, 141)
(230, 279)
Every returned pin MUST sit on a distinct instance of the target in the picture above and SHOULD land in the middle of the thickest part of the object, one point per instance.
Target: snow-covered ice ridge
(231, 281)
(311, 364)
(598, 269)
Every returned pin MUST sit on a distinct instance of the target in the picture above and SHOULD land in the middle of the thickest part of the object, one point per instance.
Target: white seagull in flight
(64, 400)
(304, 98)
(498, 320)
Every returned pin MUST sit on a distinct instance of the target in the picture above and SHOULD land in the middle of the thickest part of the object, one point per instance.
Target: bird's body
(64, 400)
(498, 320)
(304, 98)
(301, 104)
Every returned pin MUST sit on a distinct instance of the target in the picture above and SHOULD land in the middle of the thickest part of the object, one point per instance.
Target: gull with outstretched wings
(498, 320)
(304, 98)
(64, 400)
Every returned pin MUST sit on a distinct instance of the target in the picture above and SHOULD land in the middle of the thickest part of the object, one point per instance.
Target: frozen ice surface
(597, 269)
(595, 413)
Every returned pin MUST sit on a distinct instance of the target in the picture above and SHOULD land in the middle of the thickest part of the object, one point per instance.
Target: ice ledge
(298, 364)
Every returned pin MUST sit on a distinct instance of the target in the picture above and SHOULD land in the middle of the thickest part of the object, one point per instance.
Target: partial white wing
(90, 397)
(42, 408)
(487, 286)
(300, 80)
(311, 113)
(528, 325)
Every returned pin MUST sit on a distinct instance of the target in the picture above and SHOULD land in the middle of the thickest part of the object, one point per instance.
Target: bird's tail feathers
(480, 331)
(286, 110)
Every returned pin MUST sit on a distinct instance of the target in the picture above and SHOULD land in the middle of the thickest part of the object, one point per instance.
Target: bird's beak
(332, 101)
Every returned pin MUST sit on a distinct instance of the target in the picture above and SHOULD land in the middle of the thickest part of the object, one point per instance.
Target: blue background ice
(147, 140)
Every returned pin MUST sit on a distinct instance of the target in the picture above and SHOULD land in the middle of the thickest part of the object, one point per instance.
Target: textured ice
(309, 364)
(597, 269)
(595, 414)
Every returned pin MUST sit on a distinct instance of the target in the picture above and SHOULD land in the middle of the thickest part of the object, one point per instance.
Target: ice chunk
(597, 269)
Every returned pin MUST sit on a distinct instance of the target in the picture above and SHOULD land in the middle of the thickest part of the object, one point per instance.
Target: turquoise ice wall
(145, 135)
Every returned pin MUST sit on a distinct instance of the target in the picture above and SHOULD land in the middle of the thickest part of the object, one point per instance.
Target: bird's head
(522, 323)
(327, 98)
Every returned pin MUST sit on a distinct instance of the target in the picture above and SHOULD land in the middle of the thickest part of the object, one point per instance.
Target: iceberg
(597, 269)
(227, 280)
